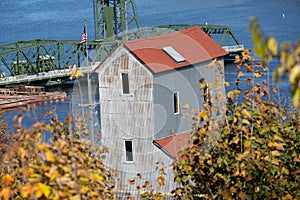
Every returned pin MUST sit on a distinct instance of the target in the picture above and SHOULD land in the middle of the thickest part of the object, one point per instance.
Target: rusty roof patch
(172, 145)
(192, 43)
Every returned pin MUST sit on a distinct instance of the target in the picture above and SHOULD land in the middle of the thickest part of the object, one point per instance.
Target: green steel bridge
(51, 61)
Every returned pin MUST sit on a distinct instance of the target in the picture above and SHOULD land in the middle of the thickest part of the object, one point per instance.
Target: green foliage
(257, 152)
(65, 168)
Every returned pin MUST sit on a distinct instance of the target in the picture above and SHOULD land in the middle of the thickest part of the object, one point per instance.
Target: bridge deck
(55, 74)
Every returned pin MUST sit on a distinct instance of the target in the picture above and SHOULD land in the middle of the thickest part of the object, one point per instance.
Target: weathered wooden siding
(129, 117)
(186, 82)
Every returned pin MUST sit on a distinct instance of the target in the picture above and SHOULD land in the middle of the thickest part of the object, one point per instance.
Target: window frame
(125, 90)
(176, 103)
(126, 156)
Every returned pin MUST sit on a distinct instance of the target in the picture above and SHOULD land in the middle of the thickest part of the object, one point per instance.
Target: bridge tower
(113, 18)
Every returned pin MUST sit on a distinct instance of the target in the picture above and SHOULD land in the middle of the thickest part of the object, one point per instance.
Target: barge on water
(18, 96)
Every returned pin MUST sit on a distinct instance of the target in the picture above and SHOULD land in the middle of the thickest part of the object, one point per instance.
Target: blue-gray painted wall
(186, 82)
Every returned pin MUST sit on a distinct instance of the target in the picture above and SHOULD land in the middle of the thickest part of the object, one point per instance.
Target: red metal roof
(175, 143)
(192, 43)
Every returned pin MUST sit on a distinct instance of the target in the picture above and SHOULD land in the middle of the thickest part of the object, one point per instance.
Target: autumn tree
(254, 153)
(66, 167)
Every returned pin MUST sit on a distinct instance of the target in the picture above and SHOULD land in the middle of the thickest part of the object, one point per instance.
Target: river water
(56, 19)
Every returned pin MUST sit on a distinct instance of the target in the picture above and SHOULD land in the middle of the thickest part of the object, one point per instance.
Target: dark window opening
(128, 151)
(176, 103)
(125, 83)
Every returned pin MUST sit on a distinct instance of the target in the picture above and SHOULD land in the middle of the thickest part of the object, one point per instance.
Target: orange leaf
(26, 190)
(145, 184)
(257, 73)
(241, 74)
(8, 180)
(131, 182)
(162, 171)
(186, 106)
(161, 180)
(5, 193)
(288, 197)
(276, 153)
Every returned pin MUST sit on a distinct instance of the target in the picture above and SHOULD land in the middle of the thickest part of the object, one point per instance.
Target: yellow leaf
(257, 73)
(38, 192)
(203, 114)
(5, 193)
(161, 180)
(42, 189)
(22, 152)
(245, 121)
(230, 95)
(83, 179)
(212, 64)
(227, 84)
(272, 45)
(26, 190)
(49, 156)
(52, 176)
(237, 91)
(277, 137)
(209, 162)
(275, 162)
(271, 144)
(8, 180)
(285, 170)
(243, 173)
(275, 153)
(247, 144)
(236, 173)
(279, 146)
(98, 177)
(295, 72)
(84, 189)
(246, 113)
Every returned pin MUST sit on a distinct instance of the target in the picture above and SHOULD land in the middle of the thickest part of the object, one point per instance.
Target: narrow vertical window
(176, 102)
(125, 83)
(128, 151)
(206, 96)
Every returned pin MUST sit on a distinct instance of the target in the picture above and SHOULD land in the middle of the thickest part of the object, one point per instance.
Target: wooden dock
(19, 96)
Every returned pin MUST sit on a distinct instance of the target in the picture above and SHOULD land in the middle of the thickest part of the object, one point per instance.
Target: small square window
(125, 83)
(128, 151)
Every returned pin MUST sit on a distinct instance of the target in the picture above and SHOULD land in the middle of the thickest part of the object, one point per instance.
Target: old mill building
(143, 85)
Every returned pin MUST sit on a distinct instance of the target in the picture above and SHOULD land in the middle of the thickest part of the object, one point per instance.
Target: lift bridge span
(50, 62)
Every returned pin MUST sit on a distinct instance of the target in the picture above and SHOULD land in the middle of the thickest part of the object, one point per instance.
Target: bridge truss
(115, 21)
